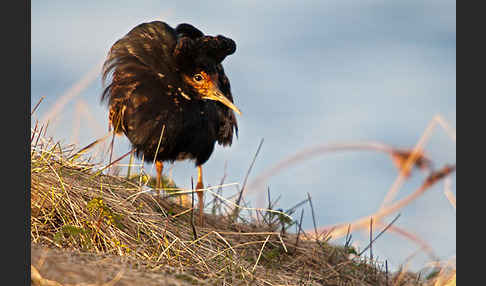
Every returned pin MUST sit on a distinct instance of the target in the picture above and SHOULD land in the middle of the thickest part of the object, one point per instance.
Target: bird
(167, 92)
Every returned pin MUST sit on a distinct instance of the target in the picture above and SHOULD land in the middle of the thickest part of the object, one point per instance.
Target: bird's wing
(141, 71)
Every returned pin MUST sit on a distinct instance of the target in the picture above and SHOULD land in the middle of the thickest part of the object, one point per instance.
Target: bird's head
(205, 83)
(198, 57)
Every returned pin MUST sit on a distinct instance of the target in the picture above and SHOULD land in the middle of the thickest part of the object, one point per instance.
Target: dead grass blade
(376, 237)
(415, 154)
(448, 193)
(238, 201)
(88, 147)
(37, 105)
(340, 229)
(260, 254)
(158, 145)
(311, 153)
(72, 92)
(116, 161)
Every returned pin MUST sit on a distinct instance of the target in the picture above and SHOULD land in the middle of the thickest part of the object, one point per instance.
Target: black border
(26, 35)
(15, 135)
(16, 77)
(27, 249)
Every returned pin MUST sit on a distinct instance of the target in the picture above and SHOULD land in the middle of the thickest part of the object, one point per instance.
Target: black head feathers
(192, 44)
(188, 30)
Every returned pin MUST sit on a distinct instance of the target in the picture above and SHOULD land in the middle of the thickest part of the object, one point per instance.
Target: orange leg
(159, 166)
(200, 194)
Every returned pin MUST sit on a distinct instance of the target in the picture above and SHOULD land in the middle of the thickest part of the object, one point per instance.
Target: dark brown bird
(168, 93)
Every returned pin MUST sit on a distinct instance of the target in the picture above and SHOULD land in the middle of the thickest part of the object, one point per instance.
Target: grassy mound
(78, 210)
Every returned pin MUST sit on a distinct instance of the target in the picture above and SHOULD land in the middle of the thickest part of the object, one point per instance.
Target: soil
(70, 267)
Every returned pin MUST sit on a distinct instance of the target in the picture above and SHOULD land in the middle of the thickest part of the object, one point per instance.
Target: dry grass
(75, 206)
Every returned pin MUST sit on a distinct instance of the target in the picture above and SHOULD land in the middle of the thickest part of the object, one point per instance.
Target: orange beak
(215, 94)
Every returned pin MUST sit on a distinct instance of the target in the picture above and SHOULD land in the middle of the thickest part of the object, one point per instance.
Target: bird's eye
(198, 77)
